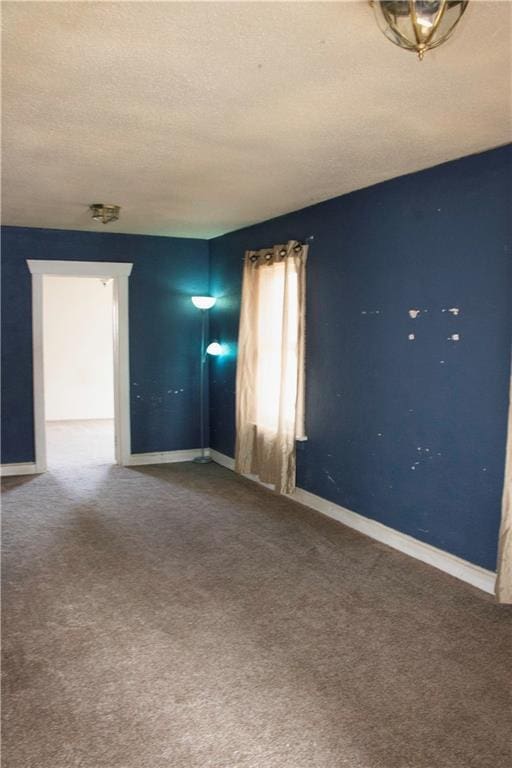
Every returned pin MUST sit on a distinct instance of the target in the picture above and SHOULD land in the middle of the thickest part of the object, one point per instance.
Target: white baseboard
(222, 459)
(135, 460)
(11, 470)
(163, 457)
(438, 558)
(445, 561)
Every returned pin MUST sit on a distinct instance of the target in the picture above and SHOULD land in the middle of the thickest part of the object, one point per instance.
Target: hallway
(87, 442)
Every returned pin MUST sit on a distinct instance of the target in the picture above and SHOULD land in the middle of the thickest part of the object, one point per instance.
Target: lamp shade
(203, 302)
(214, 349)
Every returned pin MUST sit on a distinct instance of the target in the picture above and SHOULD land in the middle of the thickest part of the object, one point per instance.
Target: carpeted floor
(72, 443)
(182, 617)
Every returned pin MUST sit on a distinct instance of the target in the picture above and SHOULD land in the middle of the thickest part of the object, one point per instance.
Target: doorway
(65, 405)
(78, 362)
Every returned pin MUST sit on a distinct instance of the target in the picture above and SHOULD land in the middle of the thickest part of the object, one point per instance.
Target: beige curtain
(270, 371)
(504, 580)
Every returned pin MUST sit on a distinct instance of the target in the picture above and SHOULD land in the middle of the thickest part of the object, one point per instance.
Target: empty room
(78, 366)
(256, 435)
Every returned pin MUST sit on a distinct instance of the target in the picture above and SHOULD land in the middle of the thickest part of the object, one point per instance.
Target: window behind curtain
(270, 372)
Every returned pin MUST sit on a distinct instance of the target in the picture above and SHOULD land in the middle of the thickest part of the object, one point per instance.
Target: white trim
(229, 463)
(79, 268)
(119, 272)
(38, 373)
(12, 470)
(121, 370)
(438, 558)
(444, 561)
(222, 459)
(163, 457)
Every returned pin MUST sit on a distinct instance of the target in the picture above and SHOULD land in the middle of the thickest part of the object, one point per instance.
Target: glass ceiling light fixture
(418, 25)
(105, 212)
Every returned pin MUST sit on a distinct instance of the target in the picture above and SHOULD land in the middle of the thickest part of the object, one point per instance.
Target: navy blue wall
(409, 433)
(164, 332)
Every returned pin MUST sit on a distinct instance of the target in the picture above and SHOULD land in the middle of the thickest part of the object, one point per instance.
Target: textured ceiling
(200, 118)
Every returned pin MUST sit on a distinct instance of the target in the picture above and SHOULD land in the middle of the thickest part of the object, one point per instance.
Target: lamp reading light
(214, 349)
(203, 302)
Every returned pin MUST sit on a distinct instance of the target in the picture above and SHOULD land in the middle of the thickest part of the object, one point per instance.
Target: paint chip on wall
(411, 337)
(453, 310)
(414, 313)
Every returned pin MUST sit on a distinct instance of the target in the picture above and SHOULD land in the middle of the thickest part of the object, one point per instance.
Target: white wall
(78, 349)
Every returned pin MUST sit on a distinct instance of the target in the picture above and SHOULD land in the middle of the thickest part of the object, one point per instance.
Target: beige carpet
(182, 617)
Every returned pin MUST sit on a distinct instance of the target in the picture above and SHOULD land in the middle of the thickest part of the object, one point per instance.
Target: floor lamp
(203, 303)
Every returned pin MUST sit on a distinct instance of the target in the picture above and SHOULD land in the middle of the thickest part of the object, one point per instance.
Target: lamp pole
(203, 303)
(202, 459)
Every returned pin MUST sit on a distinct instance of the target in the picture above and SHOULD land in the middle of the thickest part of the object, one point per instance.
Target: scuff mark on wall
(453, 310)
(331, 479)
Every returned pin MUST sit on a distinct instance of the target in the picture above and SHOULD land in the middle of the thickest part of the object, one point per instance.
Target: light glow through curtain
(270, 371)
(504, 580)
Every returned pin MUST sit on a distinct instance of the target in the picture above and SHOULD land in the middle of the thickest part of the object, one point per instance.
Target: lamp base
(202, 460)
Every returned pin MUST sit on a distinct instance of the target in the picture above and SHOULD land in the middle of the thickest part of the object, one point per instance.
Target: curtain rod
(307, 239)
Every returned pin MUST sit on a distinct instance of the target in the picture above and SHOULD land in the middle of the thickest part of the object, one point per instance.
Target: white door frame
(119, 273)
